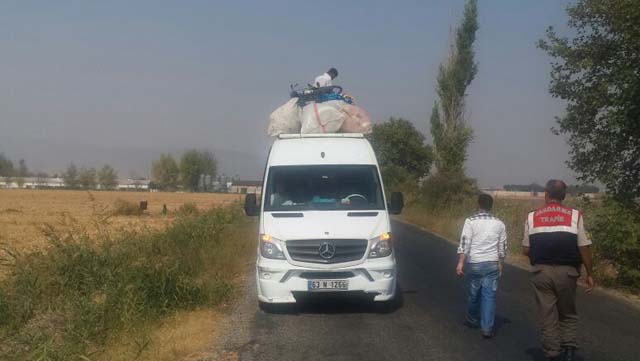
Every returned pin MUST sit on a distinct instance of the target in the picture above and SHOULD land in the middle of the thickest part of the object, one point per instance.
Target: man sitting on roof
(326, 78)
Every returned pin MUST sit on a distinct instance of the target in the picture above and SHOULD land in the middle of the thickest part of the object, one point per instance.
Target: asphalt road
(428, 323)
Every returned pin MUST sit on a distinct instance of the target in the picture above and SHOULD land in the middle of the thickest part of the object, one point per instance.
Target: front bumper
(278, 280)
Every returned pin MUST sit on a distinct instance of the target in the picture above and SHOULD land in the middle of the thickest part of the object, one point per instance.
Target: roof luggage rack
(321, 135)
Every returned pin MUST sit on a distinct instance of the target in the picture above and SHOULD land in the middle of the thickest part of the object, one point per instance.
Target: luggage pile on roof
(319, 110)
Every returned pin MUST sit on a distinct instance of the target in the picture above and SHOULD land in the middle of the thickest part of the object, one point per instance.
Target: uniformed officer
(557, 246)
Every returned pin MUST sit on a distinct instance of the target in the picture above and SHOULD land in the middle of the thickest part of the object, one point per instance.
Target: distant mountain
(54, 156)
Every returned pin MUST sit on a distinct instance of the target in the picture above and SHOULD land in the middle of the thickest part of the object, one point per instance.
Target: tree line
(9, 171)
(90, 178)
(73, 177)
(195, 171)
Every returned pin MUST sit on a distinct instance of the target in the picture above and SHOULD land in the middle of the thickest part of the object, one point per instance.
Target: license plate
(331, 285)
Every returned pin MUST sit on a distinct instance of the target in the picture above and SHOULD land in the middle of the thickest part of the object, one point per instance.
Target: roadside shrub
(397, 179)
(122, 207)
(442, 203)
(64, 302)
(188, 209)
(614, 228)
(448, 190)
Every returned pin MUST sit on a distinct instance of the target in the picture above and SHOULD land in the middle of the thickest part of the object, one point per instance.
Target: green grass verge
(64, 302)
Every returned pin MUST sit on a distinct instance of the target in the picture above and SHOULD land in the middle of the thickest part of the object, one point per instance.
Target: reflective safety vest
(553, 235)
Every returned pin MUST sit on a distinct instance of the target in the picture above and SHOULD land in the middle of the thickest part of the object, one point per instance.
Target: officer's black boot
(568, 353)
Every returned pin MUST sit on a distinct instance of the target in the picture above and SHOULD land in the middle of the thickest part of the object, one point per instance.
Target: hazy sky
(121, 81)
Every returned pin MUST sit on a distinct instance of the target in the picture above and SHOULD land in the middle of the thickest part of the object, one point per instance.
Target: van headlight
(270, 247)
(381, 246)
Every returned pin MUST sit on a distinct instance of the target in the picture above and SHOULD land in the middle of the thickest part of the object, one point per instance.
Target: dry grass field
(23, 212)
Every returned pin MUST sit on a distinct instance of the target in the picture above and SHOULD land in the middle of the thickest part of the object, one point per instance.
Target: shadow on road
(499, 322)
(536, 354)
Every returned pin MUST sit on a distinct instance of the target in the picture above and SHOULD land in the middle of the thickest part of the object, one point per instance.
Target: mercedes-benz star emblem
(327, 250)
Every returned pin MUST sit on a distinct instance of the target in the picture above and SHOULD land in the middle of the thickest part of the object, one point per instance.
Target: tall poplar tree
(451, 134)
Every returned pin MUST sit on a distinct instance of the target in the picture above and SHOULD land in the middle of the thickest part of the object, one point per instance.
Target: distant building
(246, 187)
(36, 182)
(133, 184)
(31, 183)
(500, 193)
(504, 194)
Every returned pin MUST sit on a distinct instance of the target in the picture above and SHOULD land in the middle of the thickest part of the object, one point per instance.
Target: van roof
(314, 149)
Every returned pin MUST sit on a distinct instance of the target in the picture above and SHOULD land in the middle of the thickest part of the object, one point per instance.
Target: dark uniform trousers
(555, 292)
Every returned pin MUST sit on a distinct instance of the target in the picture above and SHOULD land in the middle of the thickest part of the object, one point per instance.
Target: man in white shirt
(326, 78)
(483, 247)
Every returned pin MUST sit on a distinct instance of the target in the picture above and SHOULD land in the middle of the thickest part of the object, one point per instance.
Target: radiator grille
(333, 250)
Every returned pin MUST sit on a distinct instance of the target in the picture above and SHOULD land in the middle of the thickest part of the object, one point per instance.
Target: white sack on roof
(285, 119)
(326, 117)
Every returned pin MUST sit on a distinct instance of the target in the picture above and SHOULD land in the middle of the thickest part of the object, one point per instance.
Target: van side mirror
(251, 205)
(396, 204)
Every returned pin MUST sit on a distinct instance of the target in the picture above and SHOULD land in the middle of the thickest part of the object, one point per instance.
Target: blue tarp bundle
(325, 97)
(320, 95)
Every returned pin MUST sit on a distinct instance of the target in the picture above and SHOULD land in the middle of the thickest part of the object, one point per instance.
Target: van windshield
(323, 187)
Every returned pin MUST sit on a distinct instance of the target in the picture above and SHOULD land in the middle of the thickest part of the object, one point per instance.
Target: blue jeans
(482, 284)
